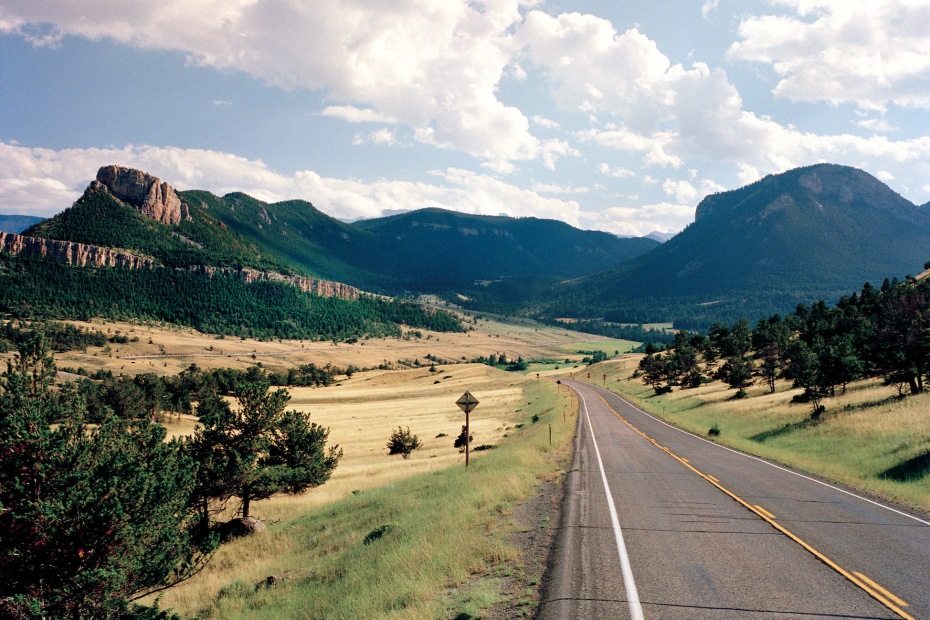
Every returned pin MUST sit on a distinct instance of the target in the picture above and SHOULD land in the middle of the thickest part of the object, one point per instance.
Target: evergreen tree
(259, 450)
(403, 442)
(90, 518)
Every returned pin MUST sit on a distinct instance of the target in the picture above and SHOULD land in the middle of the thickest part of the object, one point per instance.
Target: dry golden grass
(361, 413)
(167, 350)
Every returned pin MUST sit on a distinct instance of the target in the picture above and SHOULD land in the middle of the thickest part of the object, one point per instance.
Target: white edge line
(636, 610)
(770, 464)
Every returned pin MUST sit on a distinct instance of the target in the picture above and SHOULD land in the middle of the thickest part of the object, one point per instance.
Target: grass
(608, 346)
(444, 530)
(867, 438)
(166, 349)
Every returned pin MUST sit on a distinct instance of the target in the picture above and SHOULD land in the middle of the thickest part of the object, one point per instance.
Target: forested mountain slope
(810, 233)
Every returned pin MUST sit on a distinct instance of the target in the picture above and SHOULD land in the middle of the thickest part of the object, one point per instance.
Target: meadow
(439, 537)
(388, 537)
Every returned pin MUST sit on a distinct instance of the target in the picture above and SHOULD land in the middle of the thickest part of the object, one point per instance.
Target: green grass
(448, 533)
(608, 346)
(867, 438)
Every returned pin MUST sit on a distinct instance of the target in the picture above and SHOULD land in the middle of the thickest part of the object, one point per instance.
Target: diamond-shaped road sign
(467, 402)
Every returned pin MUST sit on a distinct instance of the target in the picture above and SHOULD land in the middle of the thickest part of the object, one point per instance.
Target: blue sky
(609, 115)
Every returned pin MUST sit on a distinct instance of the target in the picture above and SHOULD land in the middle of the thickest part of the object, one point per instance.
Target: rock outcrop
(323, 288)
(150, 195)
(71, 253)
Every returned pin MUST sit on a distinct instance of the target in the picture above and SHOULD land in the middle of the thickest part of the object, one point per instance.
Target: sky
(614, 115)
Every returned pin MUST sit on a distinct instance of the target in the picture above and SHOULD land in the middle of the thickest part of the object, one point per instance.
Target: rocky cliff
(323, 288)
(150, 195)
(71, 253)
(83, 255)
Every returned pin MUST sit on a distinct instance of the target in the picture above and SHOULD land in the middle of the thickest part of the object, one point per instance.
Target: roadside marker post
(467, 403)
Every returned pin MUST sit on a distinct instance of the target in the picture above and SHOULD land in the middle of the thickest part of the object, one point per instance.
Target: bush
(460, 440)
(403, 442)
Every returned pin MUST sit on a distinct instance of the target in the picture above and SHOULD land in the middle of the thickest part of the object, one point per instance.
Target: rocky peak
(150, 195)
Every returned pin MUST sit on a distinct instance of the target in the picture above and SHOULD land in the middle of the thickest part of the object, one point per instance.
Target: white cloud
(352, 114)
(434, 65)
(640, 220)
(878, 125)
(552, 188)
(548, 123)
(381, 137)
(43, 182)
(619, 173)
(683, 191)
(869, 53)
(709, 7)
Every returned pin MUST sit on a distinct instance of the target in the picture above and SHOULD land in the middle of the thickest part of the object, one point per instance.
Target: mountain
(131, 210)
(443, 248)
(132, 248)
(17, 223)
(495, 259)
(661, 237)
(811, 233)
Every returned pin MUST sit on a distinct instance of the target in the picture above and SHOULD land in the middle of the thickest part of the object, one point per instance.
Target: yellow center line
(881, 595)
(882, 590)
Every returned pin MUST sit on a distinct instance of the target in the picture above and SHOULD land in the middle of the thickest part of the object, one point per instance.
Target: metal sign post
(467, 403)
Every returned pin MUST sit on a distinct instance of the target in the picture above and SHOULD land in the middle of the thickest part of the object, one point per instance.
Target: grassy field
(446, 533)
(444, 530)
(867, 438)
(610, 346)
(168, 350)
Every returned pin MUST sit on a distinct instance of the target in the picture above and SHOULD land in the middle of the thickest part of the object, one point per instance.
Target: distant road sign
(467, 402)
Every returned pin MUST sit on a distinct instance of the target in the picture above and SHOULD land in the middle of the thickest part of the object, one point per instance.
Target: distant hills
(811, 233)
(494, 260)
(17, 223)
(817, 232)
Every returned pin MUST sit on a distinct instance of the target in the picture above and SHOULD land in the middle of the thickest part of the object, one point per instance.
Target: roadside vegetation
(414, 542)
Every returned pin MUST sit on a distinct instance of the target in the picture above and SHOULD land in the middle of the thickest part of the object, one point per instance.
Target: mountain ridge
(808, 233)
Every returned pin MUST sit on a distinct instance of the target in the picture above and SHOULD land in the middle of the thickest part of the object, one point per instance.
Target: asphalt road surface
(659, 523)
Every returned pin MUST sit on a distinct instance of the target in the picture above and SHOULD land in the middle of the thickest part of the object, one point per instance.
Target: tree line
(98, 509)
(878, 332)
(44, 290)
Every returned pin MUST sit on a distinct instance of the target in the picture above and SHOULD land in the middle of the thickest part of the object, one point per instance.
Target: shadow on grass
(910, 470)
(873, 403)
(783, 430)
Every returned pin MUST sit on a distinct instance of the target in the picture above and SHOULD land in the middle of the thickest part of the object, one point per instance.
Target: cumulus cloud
(434, 65)
(869, 53)
(683, 191)
(639, 221)
(618, 173)
(709, 7)
(352, 114)
(44, 182)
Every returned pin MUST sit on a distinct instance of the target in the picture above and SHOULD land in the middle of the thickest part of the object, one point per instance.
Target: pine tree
(258, 450)
(90, 518)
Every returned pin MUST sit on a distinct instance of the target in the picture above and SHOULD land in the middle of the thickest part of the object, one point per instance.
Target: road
(659, 523)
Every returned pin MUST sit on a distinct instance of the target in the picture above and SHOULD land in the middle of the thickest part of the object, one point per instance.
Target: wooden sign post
(467, 403)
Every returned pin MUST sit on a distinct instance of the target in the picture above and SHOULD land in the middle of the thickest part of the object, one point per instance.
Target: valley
(192, 304)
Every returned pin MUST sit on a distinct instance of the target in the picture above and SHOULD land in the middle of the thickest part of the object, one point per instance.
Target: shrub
(460, 440)
(403, 442)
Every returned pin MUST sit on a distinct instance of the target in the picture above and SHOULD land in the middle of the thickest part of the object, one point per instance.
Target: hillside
(131, 248)
(498, 260)
(446, 248)
(173, 232)
(17, 223)
(811, 233)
